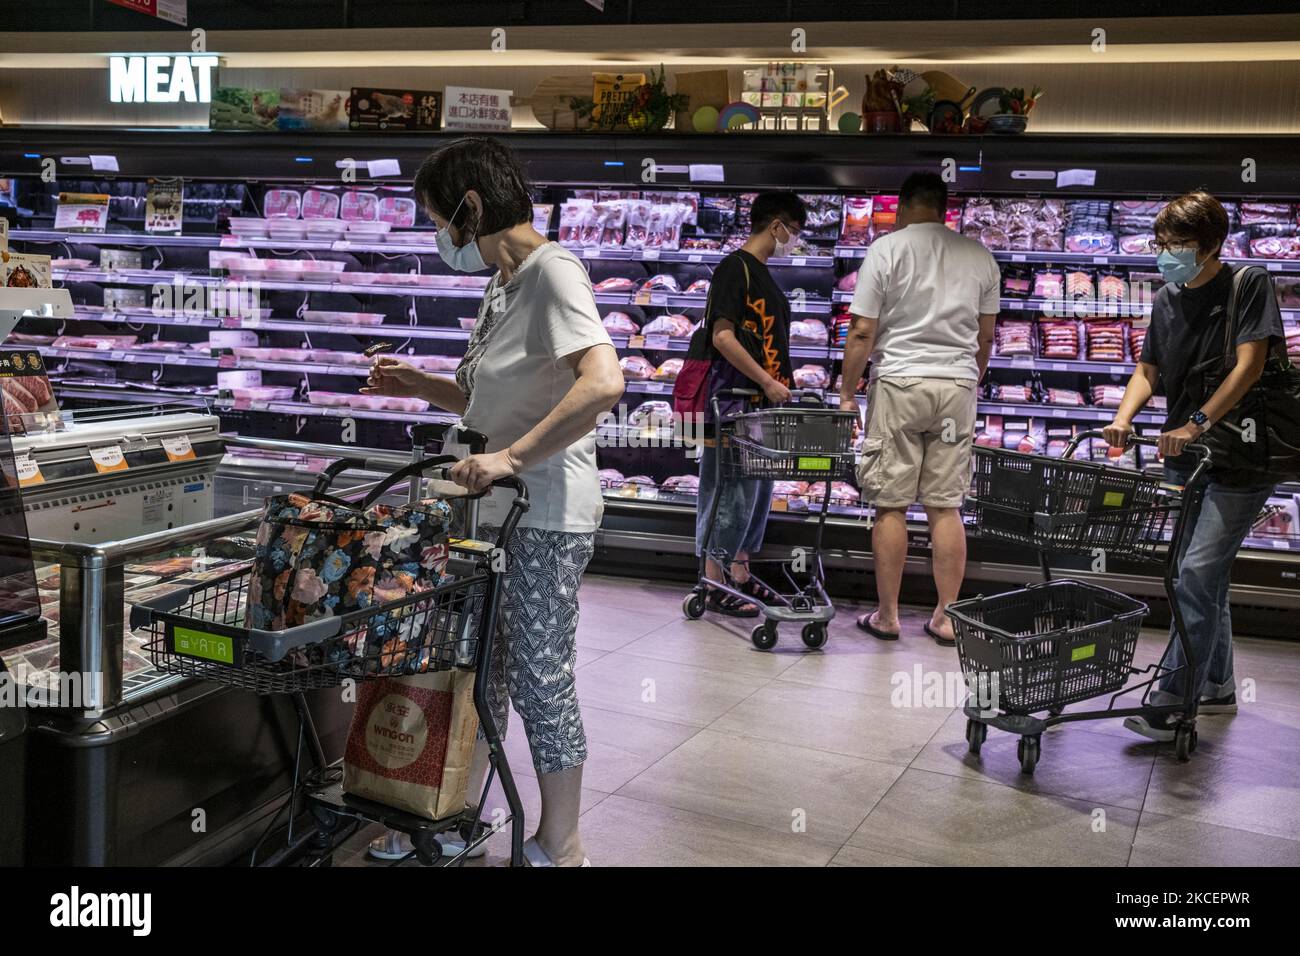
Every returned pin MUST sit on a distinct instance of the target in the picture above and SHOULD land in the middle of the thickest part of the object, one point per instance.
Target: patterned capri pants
(535, 653)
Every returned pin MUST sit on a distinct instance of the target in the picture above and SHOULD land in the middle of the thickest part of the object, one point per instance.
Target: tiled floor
(705, 751)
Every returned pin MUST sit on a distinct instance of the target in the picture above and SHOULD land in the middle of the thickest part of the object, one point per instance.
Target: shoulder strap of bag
(1278, 350)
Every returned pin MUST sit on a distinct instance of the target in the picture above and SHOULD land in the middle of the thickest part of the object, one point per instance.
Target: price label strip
(108, 458)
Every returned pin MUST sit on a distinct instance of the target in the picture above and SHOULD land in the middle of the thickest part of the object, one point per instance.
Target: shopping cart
(804, 442)
(200, 632)
(1037, 650)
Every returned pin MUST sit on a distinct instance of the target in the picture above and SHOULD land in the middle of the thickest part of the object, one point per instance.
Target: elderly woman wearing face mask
(538, 370)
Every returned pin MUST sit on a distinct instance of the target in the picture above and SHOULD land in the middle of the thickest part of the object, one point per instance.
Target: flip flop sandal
(534, 855)
(939, 638)
(759, 591)
(720, 602)
(864, 623)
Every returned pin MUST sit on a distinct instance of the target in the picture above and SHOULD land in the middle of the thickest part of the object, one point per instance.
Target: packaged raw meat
(638, 216)
(808, 330)
(102, 342)
(811, 376)
(794, 494)
(848, 282)
(398, 211)
(698, 287)
(1017, 281)
(1002, 392)
(674, 326)
(1107, 396)
(619, 323)
(1079, 284)
(572, 214)
(856, 228)
(329, 399)
(1138, 244)
(636, 369)
(1106, 341)
(1095, 243)
(1276, 247)
(1049, 285)
(161, 346)
(1236, 246)
(661, 283)
(614, 284)
(634, 485)
(360, 206)
(610, 478)
(262, 393)
(1112, 287)
(613, 219)
(318, 204)
(681, 485)
(282, 204)
(651, 414)
(842, 493)
(433, 363)
(1064, 396)
(669, 370)
(1013, 337)
(1059, 339)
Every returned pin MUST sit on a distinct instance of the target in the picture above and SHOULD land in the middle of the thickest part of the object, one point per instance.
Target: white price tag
(178, 448)
(798, 261)
(384, 167)
(1018, 257)
(1060, 413)
(655, 386)
(1281, 544)
(1060, 367)
(115, 356)
(259, 406)
(656, 341)
(1117, 370)
(1012, 304)
(658, 298)
(108, 458)
(649, 254)
(1102, 260)
(695, 257)
(1275, 266)
(29, 472)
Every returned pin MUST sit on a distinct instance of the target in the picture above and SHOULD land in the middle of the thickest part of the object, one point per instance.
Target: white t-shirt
(928, 286)
(549, 313)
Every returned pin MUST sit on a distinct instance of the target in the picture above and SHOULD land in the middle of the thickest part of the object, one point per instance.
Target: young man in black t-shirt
(1188, 324)
(743, 295)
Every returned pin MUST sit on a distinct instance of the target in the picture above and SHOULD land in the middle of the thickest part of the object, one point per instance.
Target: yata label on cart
(161, 78)
(1083, 652)
(814, 464)
(213, 647)
(77, 909)
(1113, 499)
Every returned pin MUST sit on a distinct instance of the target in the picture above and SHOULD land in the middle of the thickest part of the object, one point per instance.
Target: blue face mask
(1179, 266)
(466, 258)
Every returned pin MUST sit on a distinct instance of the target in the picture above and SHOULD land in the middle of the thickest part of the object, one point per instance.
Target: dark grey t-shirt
(1186, 337)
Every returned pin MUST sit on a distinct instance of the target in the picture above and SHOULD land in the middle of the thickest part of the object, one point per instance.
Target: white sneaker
(395, 845)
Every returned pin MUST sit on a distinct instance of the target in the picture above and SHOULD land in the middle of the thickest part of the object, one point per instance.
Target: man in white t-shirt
(923, 313)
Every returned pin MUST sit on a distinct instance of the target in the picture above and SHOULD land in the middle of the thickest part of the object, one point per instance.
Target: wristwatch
(1199, 419)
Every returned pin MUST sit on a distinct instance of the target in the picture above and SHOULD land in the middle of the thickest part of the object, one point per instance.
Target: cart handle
(1196, 448)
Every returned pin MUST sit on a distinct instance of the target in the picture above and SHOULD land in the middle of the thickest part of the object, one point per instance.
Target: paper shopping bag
(411, 742)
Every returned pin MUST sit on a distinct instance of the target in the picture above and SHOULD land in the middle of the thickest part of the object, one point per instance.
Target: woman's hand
(395, 379)
(477, 472)
(1117, 433)
(1172, 443)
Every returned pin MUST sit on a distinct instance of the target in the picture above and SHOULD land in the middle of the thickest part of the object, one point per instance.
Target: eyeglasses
(1170, 245)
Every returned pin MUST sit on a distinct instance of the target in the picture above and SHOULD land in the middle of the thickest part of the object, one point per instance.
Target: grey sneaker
(1159, 727)
(1218, 705)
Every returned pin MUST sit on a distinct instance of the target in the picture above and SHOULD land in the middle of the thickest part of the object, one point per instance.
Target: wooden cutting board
(550, 101)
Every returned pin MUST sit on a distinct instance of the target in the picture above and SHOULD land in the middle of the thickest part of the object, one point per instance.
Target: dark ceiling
(80, 15)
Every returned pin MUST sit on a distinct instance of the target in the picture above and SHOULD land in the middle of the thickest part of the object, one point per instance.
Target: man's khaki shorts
(918, 442)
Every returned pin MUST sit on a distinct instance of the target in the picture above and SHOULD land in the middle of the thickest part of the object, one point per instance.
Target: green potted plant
(647, 110)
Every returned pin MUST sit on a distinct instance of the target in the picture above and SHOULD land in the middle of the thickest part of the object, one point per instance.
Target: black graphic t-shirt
(759, 306)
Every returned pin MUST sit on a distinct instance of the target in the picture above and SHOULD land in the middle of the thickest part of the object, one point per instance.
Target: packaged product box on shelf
(390, 109)
(235, 107)
(29, 403)
(313, 109)
(22, 270)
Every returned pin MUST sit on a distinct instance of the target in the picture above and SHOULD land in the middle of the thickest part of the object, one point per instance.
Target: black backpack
(1262, 433)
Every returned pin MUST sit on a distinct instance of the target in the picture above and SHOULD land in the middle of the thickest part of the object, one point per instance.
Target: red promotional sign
(172, 10)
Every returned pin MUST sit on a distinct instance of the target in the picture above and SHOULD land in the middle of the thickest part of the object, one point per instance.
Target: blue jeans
(743, 506)
(1217, 525)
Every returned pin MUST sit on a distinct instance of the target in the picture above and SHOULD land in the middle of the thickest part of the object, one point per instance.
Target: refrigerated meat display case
(127, 765)
(1067, 216)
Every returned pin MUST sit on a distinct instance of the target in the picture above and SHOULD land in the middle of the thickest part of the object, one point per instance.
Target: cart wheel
(1028, 750)
(976, 733)
(814, 635)
(1185, 742)
(693, 605)
(327, 821)
(764, 636)
(427, 848)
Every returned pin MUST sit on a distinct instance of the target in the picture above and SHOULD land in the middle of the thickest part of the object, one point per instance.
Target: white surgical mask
(783, 248)
(466, 258)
